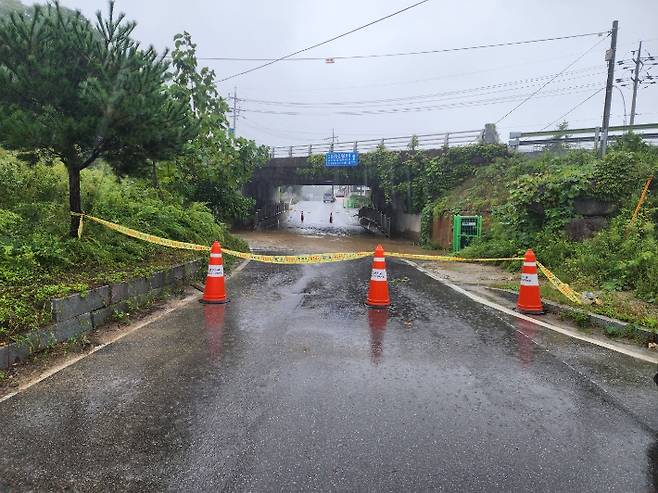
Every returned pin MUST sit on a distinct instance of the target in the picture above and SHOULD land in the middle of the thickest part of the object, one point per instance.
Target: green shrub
(38, 261)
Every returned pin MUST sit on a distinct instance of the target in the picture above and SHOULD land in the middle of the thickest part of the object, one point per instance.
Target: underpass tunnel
(323, 209)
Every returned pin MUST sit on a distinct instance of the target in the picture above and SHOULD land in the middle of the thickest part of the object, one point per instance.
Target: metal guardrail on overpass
(580, 136)
(423, 142)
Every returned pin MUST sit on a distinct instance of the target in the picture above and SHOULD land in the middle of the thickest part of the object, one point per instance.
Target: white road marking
(153, 318)
(555, 328)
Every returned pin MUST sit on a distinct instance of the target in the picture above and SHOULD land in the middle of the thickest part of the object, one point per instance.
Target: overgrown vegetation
(39, 262)
(76, 92)
(541, 204)
(122, 134)
(215, 165)
(411, 179)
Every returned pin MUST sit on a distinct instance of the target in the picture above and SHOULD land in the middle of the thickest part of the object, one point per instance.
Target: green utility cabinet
(464, 230)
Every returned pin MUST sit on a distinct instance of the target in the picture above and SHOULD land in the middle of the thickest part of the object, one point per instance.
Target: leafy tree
(79, 92)
(561, 133)
(216, 165)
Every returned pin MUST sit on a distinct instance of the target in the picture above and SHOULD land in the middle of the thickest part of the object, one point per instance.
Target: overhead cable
(549, 81)
(574, 108)
(270, 62)
(457, 104)
(402, 53)
(589, 72)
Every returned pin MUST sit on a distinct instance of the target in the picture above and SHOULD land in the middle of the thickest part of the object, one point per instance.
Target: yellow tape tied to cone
(316, 258)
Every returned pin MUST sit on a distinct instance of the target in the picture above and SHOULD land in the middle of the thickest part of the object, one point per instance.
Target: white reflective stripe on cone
(529, 264)
(529, 280)
(379, 259)
(215, 271)
(378, 275)
(215, 255)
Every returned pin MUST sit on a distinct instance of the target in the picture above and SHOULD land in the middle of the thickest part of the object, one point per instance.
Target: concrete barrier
(81, 312)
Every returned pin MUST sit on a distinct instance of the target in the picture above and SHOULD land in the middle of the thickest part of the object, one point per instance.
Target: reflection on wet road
(296, 385)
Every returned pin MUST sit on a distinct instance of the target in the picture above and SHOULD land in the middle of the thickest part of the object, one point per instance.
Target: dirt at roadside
(466, 274)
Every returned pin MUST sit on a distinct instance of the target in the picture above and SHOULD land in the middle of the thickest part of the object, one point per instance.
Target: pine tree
(79, 92)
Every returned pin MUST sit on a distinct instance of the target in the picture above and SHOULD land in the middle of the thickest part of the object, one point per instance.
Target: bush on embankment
(533, 204)
(38, 261)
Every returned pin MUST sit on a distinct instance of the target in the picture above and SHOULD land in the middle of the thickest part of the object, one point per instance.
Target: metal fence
(372, 219)
(268, 215)
(422, 141)
(578, 137)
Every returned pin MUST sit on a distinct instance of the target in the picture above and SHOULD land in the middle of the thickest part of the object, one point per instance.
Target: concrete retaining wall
(82, 312)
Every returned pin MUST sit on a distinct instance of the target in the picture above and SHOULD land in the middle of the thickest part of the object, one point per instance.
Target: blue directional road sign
(334, 159)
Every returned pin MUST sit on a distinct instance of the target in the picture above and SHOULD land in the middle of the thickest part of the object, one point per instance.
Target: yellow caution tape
(142, 236)
(272, 259)
(311, 258)
(564, 288)
(643, 197)
(316, 258)
(445, 258)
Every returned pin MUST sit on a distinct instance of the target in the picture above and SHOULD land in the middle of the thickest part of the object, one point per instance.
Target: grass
(617, 305)
(39, 262)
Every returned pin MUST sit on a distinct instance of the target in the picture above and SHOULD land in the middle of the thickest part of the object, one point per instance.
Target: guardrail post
(290, 152)
(310, 149)
(356, 146)
(446, 140)
(597, 135)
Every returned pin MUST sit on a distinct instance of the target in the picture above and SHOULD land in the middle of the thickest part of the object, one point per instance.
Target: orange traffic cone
(214, 291)
(378, 291)
(529, 294)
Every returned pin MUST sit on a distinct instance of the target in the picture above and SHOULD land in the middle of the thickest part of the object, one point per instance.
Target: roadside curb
(132, 328)
(595, 319)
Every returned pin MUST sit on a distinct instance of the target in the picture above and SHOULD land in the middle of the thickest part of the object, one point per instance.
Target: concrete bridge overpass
(289, 165)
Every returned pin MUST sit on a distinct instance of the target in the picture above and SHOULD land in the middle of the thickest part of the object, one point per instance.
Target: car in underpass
(328, 197)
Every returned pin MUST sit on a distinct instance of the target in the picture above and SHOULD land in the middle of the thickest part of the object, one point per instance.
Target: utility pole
(235, 109)
(610, 58)
(636, 80)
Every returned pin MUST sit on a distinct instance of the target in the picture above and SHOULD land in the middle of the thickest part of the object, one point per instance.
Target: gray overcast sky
(259, 28)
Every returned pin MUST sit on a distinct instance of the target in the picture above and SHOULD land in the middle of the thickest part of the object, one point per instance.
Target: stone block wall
(82, 312)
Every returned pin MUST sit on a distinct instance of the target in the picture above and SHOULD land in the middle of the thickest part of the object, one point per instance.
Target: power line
(431, 100)
(532, 81)
(549, 81)
(403, 53)
(458, 104)
(298, 90)
(574, 108)
(270, 62)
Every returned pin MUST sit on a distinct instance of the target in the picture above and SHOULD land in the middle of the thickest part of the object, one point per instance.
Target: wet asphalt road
(296, 386)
